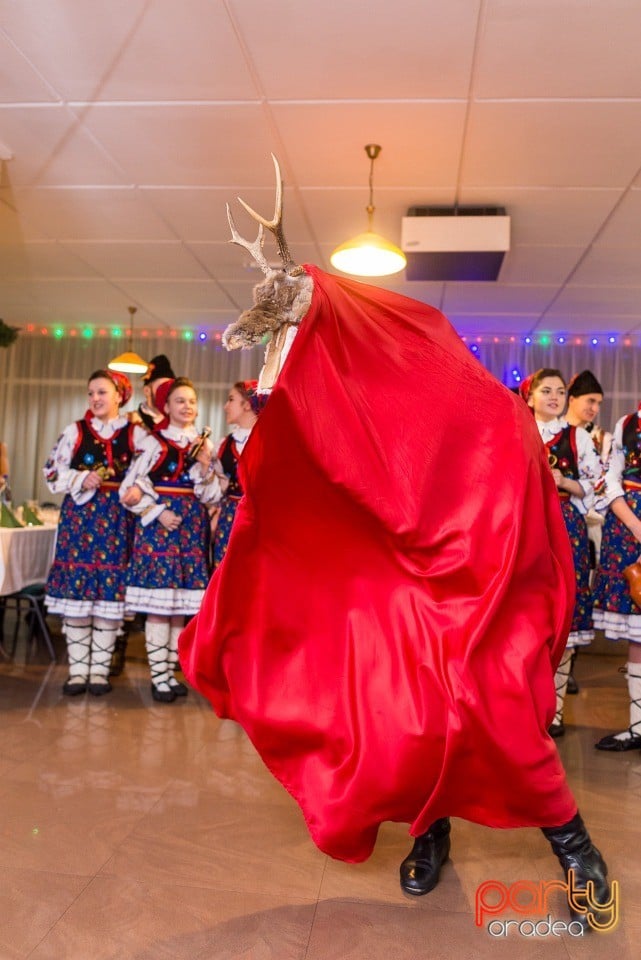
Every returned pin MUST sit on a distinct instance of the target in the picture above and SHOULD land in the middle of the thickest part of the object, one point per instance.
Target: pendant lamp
(129, 362)
(369, 254)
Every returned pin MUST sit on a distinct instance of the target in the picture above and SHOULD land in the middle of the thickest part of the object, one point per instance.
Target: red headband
(123, 385)
(162, 392)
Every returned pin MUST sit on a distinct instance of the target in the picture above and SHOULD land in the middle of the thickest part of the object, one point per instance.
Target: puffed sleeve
(209, 482)
(590, 469)
(147, 452)
(59, 475)
(614, 473)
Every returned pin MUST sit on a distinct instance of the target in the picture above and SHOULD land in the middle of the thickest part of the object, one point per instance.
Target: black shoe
(73, 686)
(421, 868)
(557, 729)
(179, 688)
(99, 689)
(572, 845)
(633, 742)
(162, 696)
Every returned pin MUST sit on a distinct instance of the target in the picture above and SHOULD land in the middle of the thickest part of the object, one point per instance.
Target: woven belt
(175, 491)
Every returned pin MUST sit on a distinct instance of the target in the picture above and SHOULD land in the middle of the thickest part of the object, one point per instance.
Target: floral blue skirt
(228, 507)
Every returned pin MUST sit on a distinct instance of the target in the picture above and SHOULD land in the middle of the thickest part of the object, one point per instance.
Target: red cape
(398, 585)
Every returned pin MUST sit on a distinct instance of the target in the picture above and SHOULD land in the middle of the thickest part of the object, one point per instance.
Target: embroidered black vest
(171, 467)
(631, 436)
(228, 456)
(562, 452)
(110, 457)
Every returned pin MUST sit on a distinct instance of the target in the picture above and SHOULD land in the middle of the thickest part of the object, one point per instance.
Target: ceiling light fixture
(369, 254)
(129, 362)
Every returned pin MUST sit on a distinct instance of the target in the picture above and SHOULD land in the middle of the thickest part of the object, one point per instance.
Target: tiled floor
(140, 831)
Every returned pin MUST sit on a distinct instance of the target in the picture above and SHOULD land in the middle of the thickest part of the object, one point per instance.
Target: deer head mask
(283, 297)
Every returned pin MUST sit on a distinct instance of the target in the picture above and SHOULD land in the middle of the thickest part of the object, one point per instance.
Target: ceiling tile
(92, 214)
(611, 266)
(19, 82)
(185, 145)
(568, 217)
(73, 45)
(50, 147)
(182, 52)
(348, 52)
(597, 301)
(200, 214)
(28, 260)
(538, 143)
(163, 261)
(545, 265)
(563, 49)
(491, 298)
(160, 295)
(622, 228)
(324, 143)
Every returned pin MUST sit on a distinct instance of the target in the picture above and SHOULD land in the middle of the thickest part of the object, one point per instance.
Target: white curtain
(616, 367)
(43, 385)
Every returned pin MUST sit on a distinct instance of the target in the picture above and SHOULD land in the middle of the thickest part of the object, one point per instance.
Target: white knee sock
(561, 682)
(157, 644)
(634, 690)
(103, 641)
(77, 631)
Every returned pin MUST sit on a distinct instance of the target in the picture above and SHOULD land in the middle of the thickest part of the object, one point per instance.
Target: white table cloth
(26, 554)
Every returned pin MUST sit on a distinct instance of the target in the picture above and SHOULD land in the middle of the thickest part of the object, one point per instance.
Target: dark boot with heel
(420, 870)
(572, 845)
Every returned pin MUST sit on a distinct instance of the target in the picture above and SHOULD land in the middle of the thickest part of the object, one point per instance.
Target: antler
(275, 225)
(255, 248)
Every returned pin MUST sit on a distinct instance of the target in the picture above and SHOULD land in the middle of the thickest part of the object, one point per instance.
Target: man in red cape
(397, 589)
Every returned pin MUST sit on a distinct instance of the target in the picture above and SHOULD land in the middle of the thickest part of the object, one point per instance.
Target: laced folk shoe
(420, 870)
(162, 695)
(619, 742)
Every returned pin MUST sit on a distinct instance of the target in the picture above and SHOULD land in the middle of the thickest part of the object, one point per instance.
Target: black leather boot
(421, 868)
(572, 845)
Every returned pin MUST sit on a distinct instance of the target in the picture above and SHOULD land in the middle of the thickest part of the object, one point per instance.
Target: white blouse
(615, 466)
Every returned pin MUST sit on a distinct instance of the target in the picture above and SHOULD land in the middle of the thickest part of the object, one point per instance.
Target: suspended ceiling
(131, 123)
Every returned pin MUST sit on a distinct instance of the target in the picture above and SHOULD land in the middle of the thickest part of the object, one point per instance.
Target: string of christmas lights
(117, 333)
(58, 332)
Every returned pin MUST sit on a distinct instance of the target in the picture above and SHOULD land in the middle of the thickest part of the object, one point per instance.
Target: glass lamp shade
(368, 255)
(128, 363)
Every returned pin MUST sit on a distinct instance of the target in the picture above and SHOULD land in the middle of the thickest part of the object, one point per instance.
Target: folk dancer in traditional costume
(169, 567)
(241, 412)
(615, 612)
(576, 469)
(402, 585)
(86, 584)
(585, 396)
(158, 372)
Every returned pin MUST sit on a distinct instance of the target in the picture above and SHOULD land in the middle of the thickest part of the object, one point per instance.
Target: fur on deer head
(284, 296)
